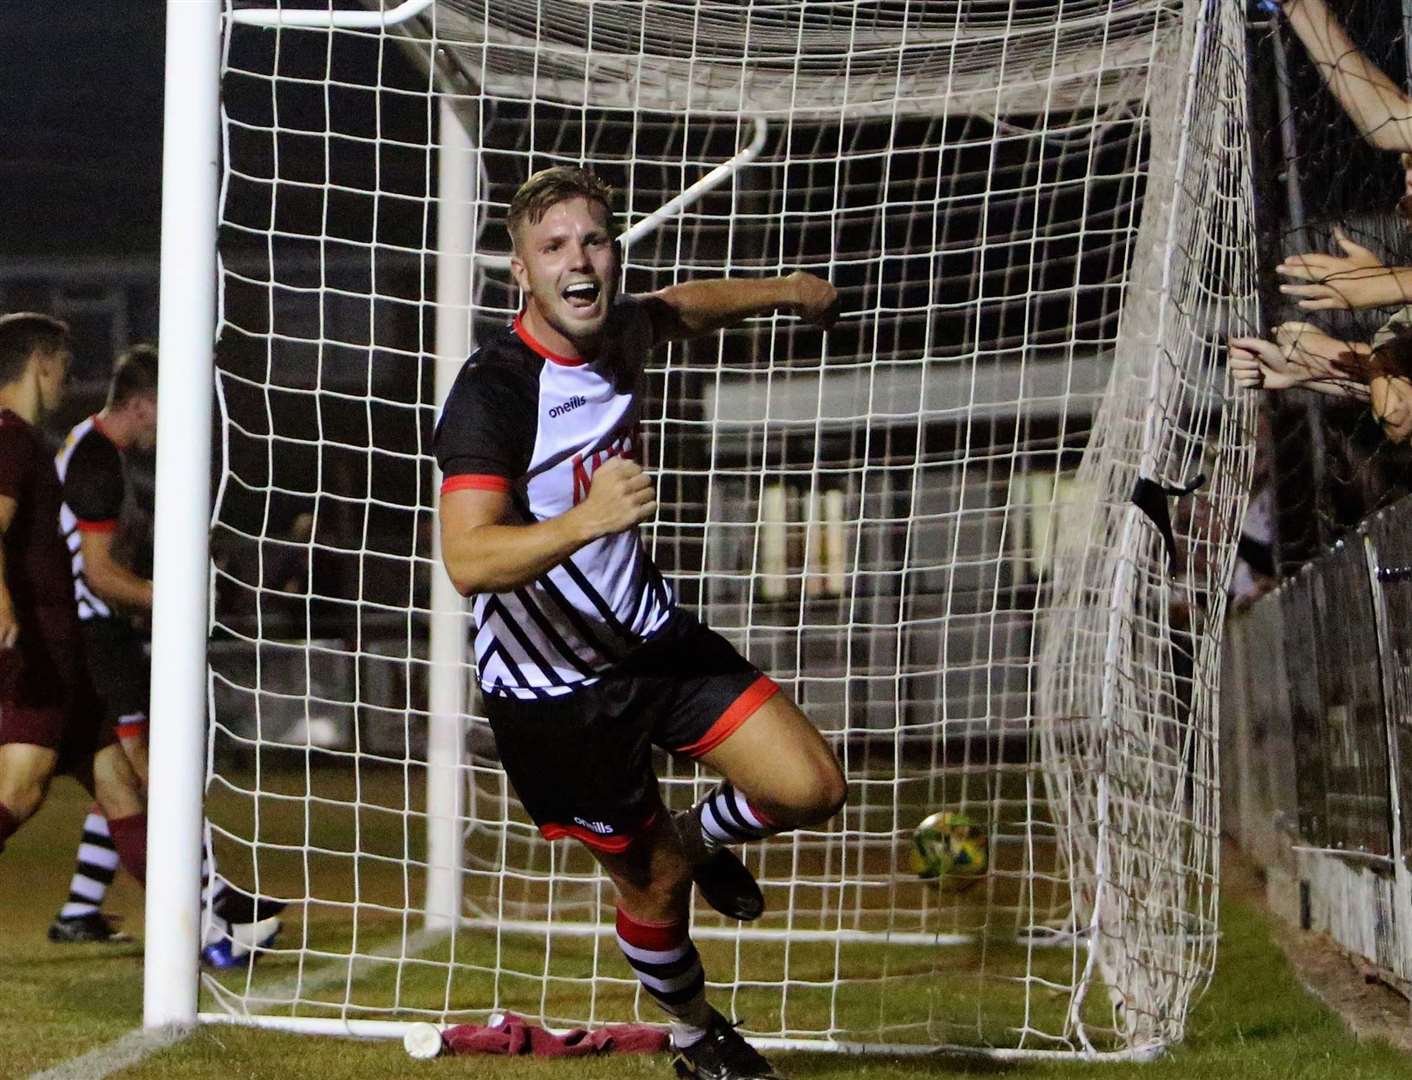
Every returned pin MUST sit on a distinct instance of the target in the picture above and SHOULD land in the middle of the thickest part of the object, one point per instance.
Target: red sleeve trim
(476, 481)
(107, 526)
(740, 710)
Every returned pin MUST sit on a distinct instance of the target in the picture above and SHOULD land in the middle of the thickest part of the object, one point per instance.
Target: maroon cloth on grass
(516, 1035)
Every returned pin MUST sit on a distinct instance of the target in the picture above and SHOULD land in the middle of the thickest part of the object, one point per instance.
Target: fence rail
(1316, 735)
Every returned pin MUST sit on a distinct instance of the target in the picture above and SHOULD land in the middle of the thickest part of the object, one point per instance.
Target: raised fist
(816, 301)
(620, 496)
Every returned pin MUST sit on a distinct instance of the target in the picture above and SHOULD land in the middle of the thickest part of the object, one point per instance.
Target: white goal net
(937, 526)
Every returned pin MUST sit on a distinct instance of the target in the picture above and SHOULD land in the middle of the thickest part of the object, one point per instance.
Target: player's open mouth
(581, 294)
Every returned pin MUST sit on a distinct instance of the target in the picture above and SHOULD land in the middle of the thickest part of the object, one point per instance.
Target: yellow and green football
(948, 844)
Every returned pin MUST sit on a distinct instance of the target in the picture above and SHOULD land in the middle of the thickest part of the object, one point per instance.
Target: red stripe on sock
(763, 818)
(659, 937)
(130, 838)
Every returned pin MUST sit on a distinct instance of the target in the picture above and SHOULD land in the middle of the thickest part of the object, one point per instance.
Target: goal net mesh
(940, 526)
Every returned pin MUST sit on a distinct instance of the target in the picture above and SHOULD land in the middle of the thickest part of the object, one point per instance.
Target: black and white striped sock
(97, 863)
(728, 818)
(668, 966)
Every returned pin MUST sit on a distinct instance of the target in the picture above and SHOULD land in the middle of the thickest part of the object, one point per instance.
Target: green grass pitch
(61, 1001)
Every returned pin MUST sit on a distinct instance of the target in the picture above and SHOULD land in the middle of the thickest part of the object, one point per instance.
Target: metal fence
(1316, 735)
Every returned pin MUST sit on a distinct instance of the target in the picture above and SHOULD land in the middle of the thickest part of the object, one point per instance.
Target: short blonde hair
(549, 187)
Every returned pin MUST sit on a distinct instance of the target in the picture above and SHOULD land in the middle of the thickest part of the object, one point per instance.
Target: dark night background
(82, 117)
(80, 197)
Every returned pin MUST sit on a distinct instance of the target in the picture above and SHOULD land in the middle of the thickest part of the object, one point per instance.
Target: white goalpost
(956, 528)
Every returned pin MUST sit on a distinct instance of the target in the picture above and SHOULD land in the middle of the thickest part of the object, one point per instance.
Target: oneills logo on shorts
(565, 407)
(594, 826)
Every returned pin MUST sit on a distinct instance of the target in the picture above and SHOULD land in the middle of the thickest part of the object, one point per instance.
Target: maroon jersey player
(51, 718)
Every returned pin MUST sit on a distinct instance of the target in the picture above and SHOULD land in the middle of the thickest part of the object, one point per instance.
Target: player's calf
(116, 790)
(81, 918)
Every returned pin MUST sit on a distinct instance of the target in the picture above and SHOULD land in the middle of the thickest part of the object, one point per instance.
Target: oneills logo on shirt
(566, 407)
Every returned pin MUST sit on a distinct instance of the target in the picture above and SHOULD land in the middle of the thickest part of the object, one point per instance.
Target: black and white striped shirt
(521, 420)
(90, 469)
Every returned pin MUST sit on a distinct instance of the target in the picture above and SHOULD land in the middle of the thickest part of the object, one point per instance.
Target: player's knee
(829, 793)
(828, 789)
(833, 791)
(815, 793)
(22, 799)
(24, 780)
(115, 785)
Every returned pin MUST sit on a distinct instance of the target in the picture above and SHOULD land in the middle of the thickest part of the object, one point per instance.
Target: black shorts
(582, 762)
(118, 662)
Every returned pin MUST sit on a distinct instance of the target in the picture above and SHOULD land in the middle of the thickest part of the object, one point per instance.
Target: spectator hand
(1257, 364)
(1355, 279)
(1304, 344)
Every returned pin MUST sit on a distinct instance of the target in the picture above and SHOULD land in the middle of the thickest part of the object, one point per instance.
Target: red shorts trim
(614, 845)
(130, 729)
(111, 525)
(740, 710)
(475, 481)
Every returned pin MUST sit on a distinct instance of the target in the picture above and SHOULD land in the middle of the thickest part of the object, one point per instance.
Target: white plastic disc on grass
(422, 1041)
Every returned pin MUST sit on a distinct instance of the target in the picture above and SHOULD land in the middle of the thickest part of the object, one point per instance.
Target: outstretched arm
(695, 308)
(1299, 357)
(1355, 280)
(484, 552)
(1382, 112)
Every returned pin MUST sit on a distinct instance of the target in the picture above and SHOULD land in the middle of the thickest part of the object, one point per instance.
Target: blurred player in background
(584, 659)
(93, 474)
(51, 717)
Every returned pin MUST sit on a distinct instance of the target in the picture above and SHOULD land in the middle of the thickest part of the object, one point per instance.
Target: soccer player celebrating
(584, 659)
(94, 479)
(94, 483)
(51, 718)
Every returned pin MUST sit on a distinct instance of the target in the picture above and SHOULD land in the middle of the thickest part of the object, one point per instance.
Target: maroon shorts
(47, 697)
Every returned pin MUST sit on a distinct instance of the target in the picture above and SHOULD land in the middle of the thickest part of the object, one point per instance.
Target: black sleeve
(485, 436)
(93, 482)
(632, 328)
